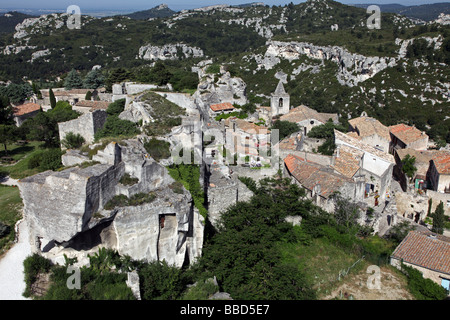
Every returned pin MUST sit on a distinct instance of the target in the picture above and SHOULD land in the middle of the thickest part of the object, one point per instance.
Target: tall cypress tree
(438, 219)
(52, 99)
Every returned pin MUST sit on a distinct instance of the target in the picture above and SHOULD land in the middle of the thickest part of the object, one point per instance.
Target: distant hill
(426, 12)
(161, 11)
(9, 20)
(246, 5)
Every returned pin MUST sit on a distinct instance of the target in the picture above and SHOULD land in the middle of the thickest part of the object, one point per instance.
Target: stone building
(280, 101)
(370, 131)
(376, 166)
(422, 163)
(25, 111)
(403, 136)
(86, 125)
(427, 252)
(439, 173)
(308, 118)
(224, 190)
(247, 139)
(86, 106)
(220, 108)
(321, 182)
(72, 96)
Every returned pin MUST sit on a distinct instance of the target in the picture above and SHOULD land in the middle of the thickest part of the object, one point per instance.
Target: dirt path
(11, 267)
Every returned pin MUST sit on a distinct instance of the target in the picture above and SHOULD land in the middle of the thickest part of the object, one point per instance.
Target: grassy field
(10, 213)
(321, 261)
(18, 169)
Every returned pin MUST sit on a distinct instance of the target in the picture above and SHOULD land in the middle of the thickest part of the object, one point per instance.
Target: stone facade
(280, 101)
(86, 125)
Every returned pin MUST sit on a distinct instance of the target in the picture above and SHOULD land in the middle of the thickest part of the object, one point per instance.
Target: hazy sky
(173, 4)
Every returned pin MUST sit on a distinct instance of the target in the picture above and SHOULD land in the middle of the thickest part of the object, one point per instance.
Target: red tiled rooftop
(93, 104)
(25, 109)
(221, 106)
(442, 163)
(425, 251)
(310, 175)
(406, 133)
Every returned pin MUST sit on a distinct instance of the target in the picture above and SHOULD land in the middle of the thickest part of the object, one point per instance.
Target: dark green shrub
(421, 288)
(159, 281)
(73, 141)
(33, 265)
(35, 160)
(4, 230)
(116, 108)
(157, 149)
(51, 160)
(117, 201)
(115, 127)
(128, 180)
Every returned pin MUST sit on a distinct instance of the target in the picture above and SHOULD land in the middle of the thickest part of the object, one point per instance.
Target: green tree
(6, 110)
(116, 108)
(43, 128)
(285, 128)
(160, 281)
(73, 80)
(346, 212)
(408, 167)
(88, 96)
(52, 98)
(117, 76)
(93, 80)
(7, 135)
(439, 219)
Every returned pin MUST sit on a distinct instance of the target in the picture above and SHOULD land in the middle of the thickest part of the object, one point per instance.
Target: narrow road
(12, 282)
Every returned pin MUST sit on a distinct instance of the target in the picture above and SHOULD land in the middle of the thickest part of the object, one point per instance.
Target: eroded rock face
(169, 52)
(66, 210)
(353, 68)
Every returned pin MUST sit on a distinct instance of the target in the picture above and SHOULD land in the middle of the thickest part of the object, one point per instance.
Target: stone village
(366, 168)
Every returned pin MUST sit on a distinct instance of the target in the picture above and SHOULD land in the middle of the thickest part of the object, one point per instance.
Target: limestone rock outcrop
(68, 212)
(169, 52)
(353, 68)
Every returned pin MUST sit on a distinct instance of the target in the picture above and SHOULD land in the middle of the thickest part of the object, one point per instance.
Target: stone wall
(58, 205)
(86, 125)
(435, 276)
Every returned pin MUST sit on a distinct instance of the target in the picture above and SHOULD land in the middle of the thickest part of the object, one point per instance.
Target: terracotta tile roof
(250, 127)
(302, 113)
(407, 134)
(422, 250)
(93, 104)
(367, 126)
(311, 175)
(290, 143)
(423, 158)
(347, 163)
(442, 163)
(57, 93)
(357, 144)
(221, 107)
(25, 109)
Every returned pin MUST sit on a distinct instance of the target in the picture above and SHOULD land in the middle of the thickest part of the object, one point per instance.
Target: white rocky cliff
(67, 215)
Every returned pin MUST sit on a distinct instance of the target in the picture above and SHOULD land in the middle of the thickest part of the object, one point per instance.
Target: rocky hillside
(161, 11)
(322, 49)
